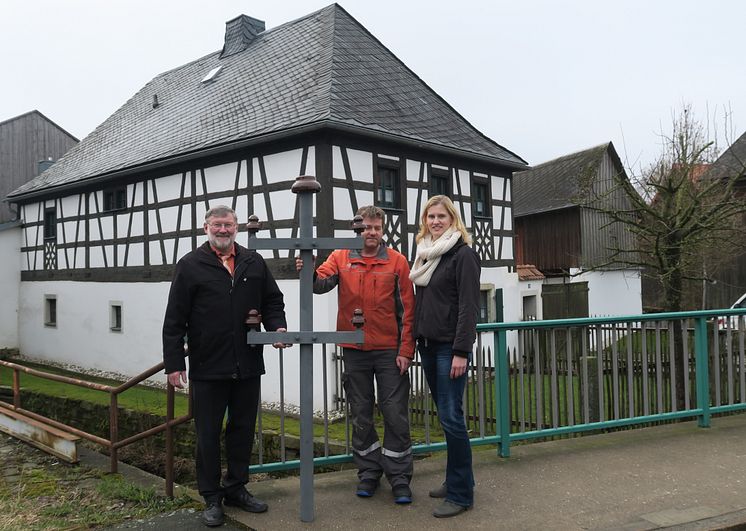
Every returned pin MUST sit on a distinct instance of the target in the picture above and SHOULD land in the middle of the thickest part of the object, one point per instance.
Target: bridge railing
(540, 379)
(114, 442)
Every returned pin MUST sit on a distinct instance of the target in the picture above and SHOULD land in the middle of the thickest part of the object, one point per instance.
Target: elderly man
(213, 288)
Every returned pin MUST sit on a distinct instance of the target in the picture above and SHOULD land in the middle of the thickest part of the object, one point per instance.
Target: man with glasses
(212, 291)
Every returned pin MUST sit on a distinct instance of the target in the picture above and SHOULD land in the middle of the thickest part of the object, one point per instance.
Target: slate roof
(324, 69)
(552, 185)
(731, 163)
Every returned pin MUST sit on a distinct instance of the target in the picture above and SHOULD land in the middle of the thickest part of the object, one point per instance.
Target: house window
(115, 316)
(487, 304)
(484, 305)
(439, 182)
(50, 223)
(480, 199)
(387, 192)
(115, 199)
(50, 310)
(529, 308)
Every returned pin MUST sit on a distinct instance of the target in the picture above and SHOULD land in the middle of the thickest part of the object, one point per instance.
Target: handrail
(113, 444)
(585, 321)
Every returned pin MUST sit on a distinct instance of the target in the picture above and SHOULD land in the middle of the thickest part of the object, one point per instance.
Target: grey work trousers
(394, 458)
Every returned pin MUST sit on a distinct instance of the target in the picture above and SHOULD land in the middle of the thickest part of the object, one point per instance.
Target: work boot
(402, 494)
(367, 488)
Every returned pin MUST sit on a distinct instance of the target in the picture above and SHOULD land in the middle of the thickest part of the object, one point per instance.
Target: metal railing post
(501, 383)
(169, 465)
(113, 433)
(702, 370)
(16, 388)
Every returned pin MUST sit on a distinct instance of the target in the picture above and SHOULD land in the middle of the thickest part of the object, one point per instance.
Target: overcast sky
(542, 78)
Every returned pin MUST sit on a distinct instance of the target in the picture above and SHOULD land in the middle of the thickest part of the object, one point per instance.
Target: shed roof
(321, 70)
(553, 185)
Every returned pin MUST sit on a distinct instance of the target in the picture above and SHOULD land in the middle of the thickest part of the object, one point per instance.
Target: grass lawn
(39, 492)
(150, 400)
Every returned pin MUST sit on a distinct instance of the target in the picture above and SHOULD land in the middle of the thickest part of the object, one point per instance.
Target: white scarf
(429, 253)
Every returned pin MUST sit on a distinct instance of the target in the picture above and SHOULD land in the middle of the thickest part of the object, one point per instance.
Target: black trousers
(212, 400)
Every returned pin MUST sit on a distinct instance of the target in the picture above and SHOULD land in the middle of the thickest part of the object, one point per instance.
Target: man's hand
(178, 379)
(279, 344)
(299, 263)
(403, 363)
(458, 366)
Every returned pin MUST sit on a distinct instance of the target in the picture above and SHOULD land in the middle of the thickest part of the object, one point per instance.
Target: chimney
(239, 33)
(43, 165)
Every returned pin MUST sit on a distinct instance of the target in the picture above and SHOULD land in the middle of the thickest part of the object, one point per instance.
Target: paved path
(676, 476)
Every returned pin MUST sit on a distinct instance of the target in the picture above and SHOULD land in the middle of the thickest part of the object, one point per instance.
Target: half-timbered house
(319, 95)
(571, 241)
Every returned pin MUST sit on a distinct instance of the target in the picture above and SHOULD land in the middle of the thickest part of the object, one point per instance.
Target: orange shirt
(228, 258)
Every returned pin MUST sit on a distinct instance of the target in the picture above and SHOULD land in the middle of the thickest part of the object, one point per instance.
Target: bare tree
(681, 218)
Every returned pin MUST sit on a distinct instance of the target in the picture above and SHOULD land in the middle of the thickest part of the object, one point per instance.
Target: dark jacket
(209, 307)
(446, 310)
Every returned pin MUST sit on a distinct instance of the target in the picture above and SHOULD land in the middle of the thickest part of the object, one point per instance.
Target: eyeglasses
(218, 226)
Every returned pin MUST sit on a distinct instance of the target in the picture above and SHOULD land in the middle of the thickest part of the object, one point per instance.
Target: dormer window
(211, 74)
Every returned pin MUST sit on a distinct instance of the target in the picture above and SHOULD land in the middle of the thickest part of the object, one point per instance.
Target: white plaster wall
(414, 168)
(613, 292)
(169, 187)
(281, 167)
(82, 336)
(361, 165)
(10, 279)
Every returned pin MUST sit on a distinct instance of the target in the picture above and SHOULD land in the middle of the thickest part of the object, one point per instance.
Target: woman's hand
(458, 366)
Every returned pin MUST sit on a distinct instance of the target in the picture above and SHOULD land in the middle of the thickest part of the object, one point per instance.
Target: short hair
(371, 211)
(456, 222)
(219, 212)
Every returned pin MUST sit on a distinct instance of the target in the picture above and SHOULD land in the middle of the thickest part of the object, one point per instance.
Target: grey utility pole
(305, 186)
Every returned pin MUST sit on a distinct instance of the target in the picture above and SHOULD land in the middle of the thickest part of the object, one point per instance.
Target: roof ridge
(37, 111)
(605, 145)
(429, 89)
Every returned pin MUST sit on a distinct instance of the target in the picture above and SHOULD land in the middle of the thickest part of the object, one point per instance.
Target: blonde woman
(446, 277)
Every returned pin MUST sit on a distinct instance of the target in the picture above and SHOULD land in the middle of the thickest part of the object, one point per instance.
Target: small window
(479, 195)
(439, 182)
(50, 223)
(529, 308)
(115, 199)
(485, 314)
(387, 194)
(115, 316)
(50, 310)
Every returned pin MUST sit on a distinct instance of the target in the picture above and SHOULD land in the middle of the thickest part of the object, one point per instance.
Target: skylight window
(211, 74)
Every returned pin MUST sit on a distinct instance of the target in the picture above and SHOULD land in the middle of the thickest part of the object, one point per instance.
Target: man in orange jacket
(375, 279)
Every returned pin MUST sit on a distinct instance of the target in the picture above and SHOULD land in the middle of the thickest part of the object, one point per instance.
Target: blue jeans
(448, 394)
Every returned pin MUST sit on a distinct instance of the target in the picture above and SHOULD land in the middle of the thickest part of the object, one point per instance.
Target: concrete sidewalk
(678, 476)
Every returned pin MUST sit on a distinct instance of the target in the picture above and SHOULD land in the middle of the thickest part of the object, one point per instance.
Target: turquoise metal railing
(650, 368)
